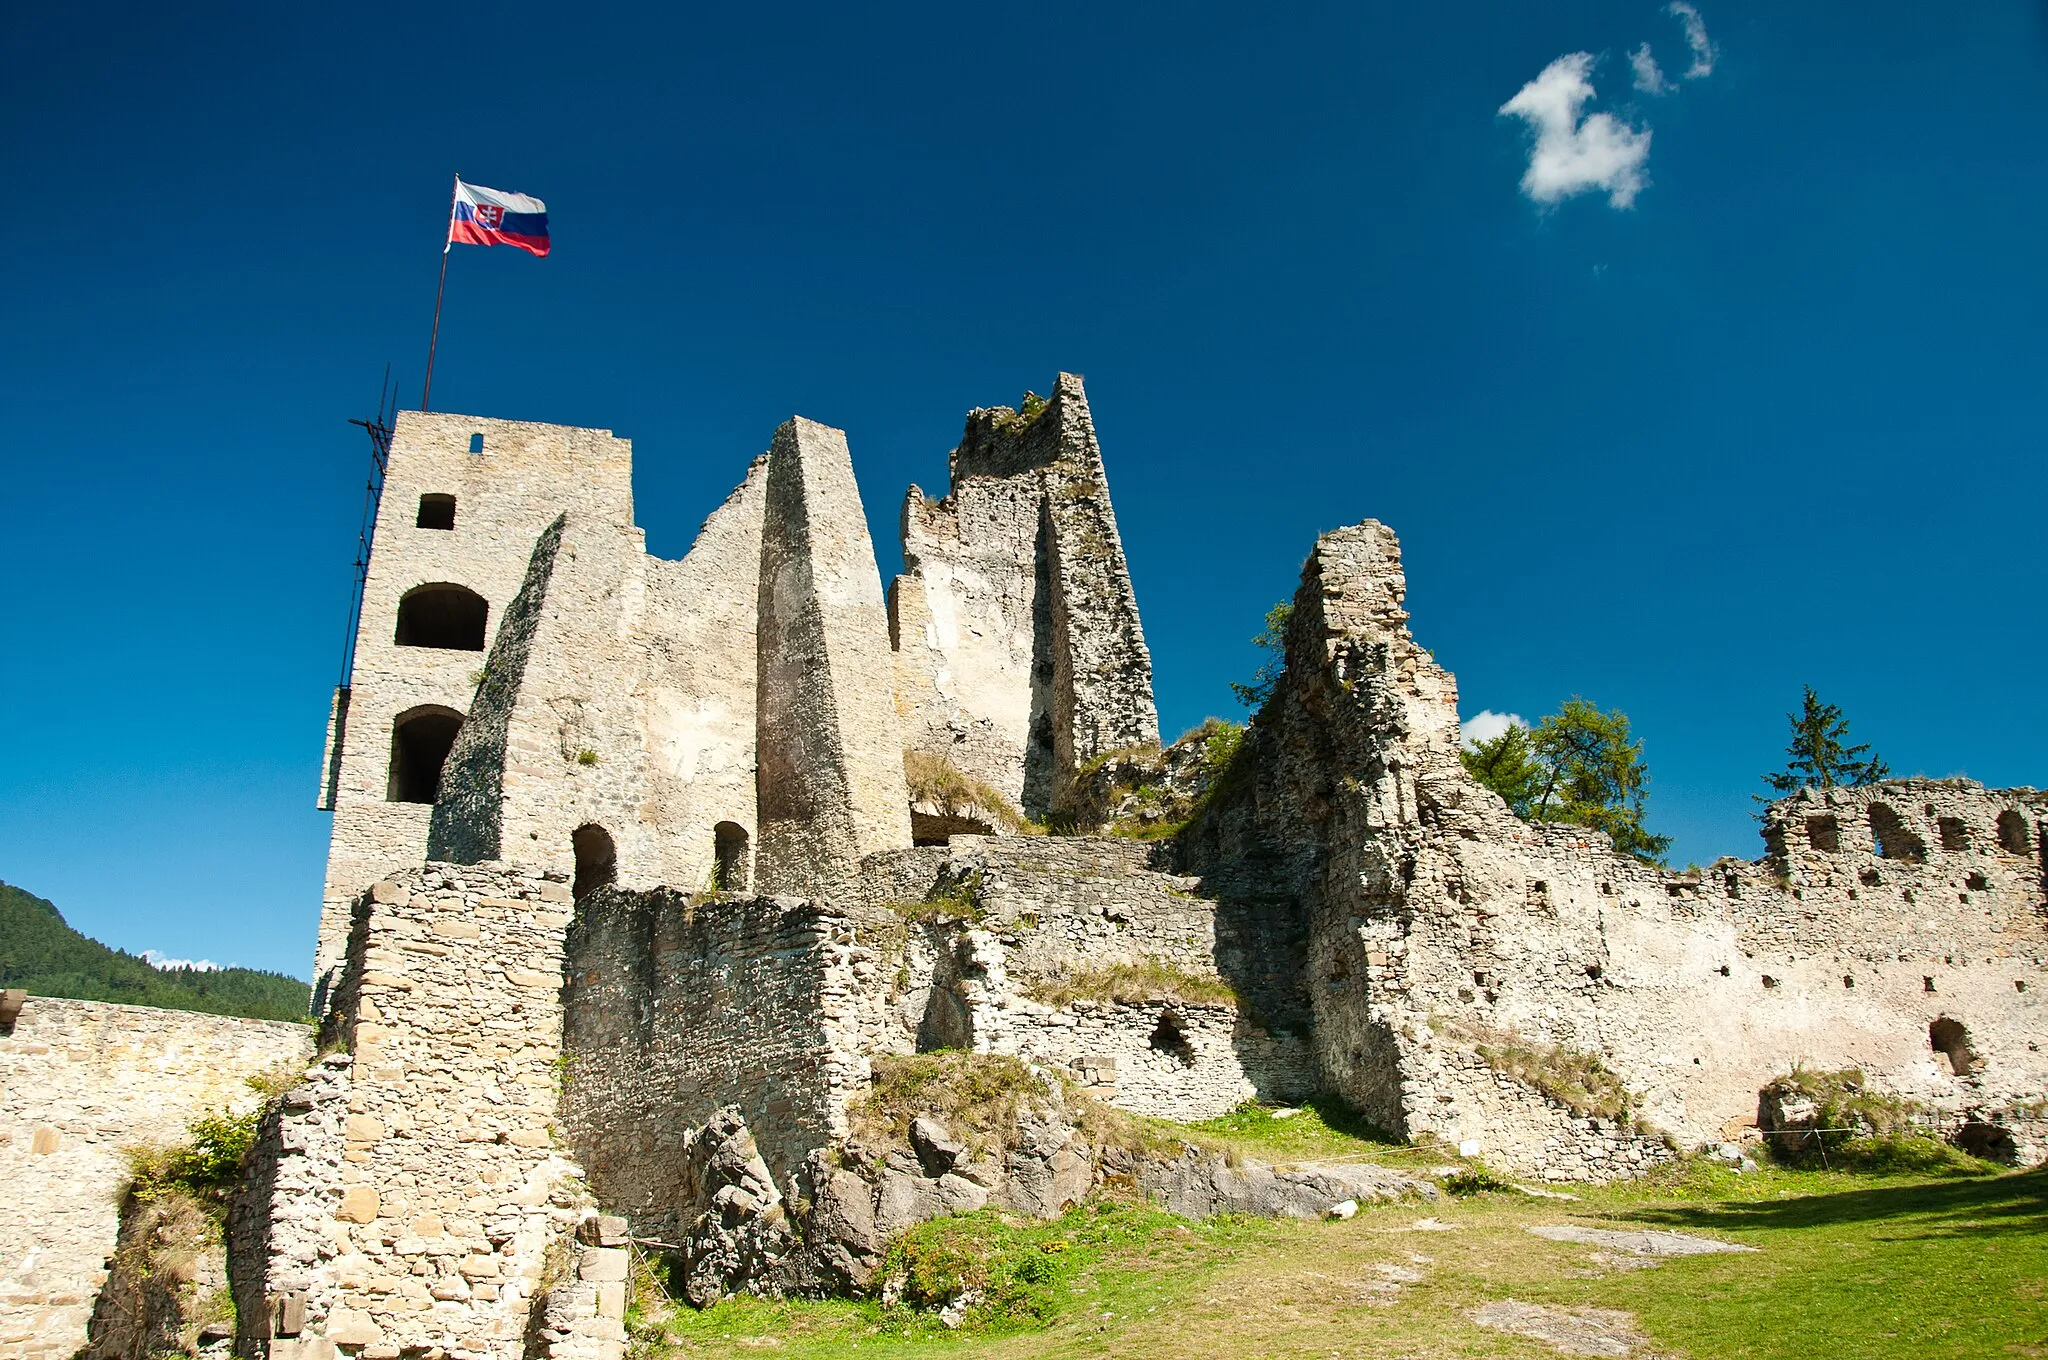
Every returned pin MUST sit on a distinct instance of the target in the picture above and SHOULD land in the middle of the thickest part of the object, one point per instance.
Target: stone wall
(79, 1081)
(1019, 654)
(677, 1005)
(829, 781)
(415, 1195)
(1053, 909)
(1435, 916)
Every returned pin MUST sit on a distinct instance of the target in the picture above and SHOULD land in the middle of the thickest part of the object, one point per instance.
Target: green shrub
(204, 1167)
(1475, 1180)
(958, 900)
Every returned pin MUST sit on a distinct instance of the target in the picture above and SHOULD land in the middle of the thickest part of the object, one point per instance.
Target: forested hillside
(40, 952)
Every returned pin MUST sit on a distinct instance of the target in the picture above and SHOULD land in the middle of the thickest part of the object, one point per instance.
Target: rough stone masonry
(629, 889)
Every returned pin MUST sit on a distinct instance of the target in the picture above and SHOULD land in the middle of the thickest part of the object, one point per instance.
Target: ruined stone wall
(829, 782)
(677, 1005)
(1049, 910)
(621, 699)
(1441, 926)
(80, 1081)
(1019, 654)
(415, 1195)
(525, 476)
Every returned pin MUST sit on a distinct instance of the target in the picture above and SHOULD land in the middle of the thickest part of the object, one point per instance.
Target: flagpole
(446, 246)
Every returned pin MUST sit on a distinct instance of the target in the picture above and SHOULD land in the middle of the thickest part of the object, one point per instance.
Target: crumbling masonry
(629, 886)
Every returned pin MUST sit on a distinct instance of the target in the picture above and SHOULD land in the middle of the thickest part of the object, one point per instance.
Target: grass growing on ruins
(957, 900)
(978, 1096)
(204, 1167)
(1580, 1081)
(1890, 1267)
(1148, 979)
(936, 781)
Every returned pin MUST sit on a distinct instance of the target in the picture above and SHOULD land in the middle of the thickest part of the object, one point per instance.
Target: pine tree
(1820, 756)
(1507, 765)
(1272, 641)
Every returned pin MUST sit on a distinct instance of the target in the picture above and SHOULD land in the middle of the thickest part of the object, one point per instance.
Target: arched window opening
(436, 511)
(1170, 1037)
(729, 846)
(476, 443)
(2012, 832)
(597, 859)
(946, 1023)
(1824, 834)
(1895, 840)
(446, 616)
(420, 742)
(1950, 1039)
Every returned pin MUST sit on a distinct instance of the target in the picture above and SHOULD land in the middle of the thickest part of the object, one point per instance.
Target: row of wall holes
(1891, 838)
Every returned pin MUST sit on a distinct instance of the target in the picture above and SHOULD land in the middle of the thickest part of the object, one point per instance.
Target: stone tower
(1019, 655)
(465, 499)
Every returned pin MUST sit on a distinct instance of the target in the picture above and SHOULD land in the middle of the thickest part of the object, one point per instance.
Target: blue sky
(1776, 421)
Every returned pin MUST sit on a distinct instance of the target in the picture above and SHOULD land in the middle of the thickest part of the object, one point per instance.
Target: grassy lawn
(1861, 1267)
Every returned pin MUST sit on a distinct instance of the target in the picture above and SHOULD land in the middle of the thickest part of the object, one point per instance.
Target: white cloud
(1649, 79)
(156, 959)
(1703, 52)
(1575, 151)
(1486, 724)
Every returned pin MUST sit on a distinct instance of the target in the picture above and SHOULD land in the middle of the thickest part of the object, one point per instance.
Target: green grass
(1885, 1267)
(1321, 1130)
(1148, 979)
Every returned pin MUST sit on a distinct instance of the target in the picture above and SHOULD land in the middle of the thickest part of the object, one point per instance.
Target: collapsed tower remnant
(1019, 654)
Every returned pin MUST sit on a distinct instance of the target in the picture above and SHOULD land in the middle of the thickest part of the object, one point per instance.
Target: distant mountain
(40, 952)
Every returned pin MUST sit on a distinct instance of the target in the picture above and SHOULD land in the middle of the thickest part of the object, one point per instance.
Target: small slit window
(1894, 839)
(436, 512)
(476, 442)
(597, 860)
(729, 848)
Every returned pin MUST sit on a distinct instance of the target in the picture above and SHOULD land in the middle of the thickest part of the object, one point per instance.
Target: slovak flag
(492, 217)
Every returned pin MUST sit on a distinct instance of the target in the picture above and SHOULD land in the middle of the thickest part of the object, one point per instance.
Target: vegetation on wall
(1271, 641)
(1582, 1082)
(1147, 979)
(1579, 765)
(1820, 756)
(936, 782)
(40, 952)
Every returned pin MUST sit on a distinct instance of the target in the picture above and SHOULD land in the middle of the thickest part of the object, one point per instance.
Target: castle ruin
(637, 866)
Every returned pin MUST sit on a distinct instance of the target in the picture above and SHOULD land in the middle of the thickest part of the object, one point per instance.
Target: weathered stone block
(600, 1265)
(358, 1204)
